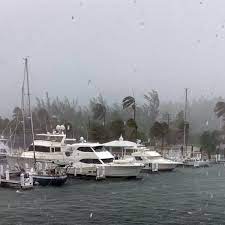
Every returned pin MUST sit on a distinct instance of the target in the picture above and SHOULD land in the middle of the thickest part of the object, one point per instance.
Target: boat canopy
(120, 143)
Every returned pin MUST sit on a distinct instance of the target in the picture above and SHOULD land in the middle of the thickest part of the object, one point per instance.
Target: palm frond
(128, 101)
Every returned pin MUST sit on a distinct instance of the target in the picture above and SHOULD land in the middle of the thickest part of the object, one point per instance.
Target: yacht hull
(122, 171)
(161, 167)
(106, 171)
(45, 180)
(197, 164)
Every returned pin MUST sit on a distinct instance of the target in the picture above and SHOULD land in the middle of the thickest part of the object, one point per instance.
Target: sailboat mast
(23, 113)
(29, 106)
(185, 120)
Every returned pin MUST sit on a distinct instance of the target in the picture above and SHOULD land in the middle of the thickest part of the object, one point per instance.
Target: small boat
(196, 162)
(153, 160)
(51, 176)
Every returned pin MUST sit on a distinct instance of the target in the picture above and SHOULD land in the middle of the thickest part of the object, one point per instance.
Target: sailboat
(53, 174)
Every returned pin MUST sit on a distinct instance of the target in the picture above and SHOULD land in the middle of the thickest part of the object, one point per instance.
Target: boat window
(90, 161)
(85, 149)
(128, 151)
(138, 158)
(40, 148)
(68, 154)
(57, 149)
(3, 150)
(99, 148)
(107, 160)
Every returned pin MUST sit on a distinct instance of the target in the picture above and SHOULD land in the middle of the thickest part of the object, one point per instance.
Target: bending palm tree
(220, 109)
(129, 101)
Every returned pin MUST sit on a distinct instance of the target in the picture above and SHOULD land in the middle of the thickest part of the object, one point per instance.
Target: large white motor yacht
(95, 155)
(153, 160)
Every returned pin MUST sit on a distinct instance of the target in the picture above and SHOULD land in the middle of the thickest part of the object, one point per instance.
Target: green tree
(159, 131)
(116, 128)
(152, 105)
(209, 140)
(98, 133)
(43, 118)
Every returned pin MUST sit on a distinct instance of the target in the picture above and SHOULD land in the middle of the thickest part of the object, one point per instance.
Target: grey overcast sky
(119, 45)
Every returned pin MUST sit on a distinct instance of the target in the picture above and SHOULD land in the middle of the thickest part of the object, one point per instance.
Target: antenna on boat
(29, 106)
(185, 119)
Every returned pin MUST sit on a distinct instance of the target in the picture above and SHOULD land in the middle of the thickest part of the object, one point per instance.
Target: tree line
(146, 119)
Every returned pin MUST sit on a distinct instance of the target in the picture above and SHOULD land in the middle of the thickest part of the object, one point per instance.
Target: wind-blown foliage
(129, 101)
(220, 109)
(87, 121)
(159, 131)
(209, 141)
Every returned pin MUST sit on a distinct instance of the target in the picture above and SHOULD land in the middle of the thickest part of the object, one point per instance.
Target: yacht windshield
(49, 138)
(154, 157)
(107, 160)
(99, 148)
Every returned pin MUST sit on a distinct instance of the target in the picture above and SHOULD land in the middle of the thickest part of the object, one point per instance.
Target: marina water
(185, 196)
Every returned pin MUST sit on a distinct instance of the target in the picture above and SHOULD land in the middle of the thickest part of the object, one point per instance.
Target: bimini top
(120, 143)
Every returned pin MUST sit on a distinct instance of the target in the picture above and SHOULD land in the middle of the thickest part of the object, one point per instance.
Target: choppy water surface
(186, 196)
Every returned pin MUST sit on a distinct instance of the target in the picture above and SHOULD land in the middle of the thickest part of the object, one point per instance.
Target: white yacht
(84, 158)
(83, 155)
(153, 160)
(196, 162)
(48, 147)
(4, 149)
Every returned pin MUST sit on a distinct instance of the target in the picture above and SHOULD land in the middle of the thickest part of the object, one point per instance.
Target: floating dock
(25, 181)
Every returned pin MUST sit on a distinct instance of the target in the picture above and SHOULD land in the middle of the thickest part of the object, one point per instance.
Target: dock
(25, 181)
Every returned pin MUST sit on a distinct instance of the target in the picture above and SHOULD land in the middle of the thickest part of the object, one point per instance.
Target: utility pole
(185, 119)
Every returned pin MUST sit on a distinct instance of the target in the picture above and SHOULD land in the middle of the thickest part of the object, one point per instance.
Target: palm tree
(129, 101)
(220, 109)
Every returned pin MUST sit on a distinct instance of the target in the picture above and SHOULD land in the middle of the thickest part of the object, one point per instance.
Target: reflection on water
(186, 196)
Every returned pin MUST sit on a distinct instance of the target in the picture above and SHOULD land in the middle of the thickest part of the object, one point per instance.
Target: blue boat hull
(50, 180)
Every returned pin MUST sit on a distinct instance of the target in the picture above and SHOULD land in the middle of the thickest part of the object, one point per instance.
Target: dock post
(1, 170)
(75, 171)
(103, 171)
(7, 174)
(31, 179)
(97, 172)
(22, 179)
(81, 170)
(26, 167)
